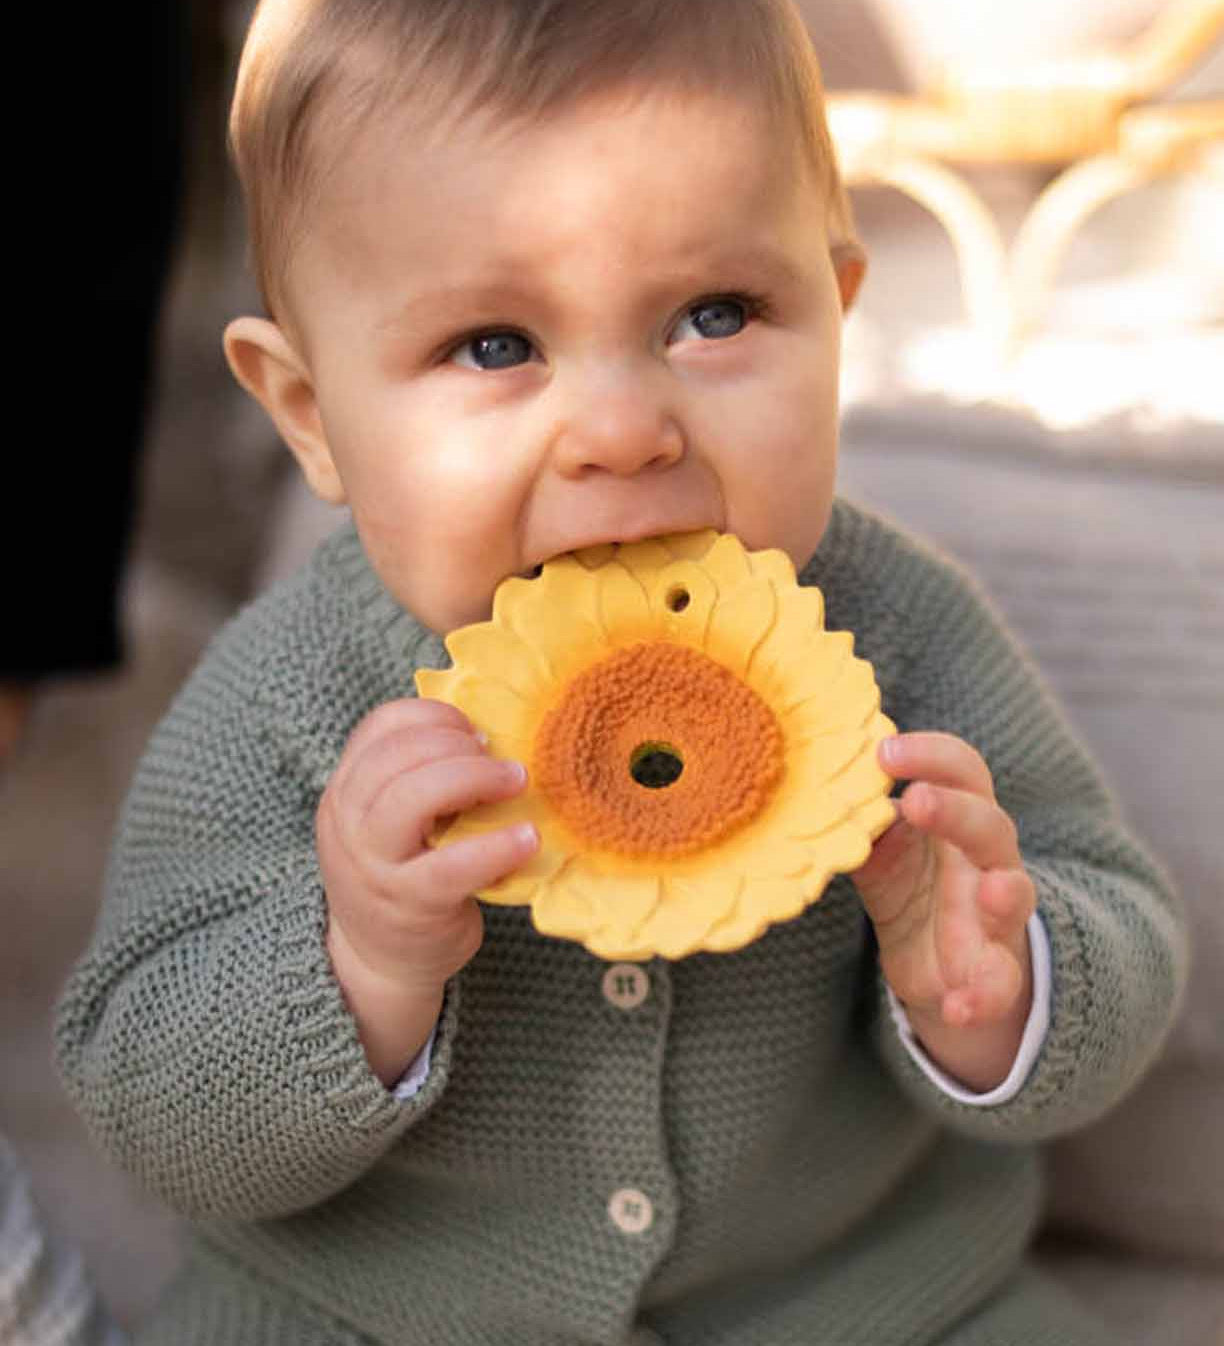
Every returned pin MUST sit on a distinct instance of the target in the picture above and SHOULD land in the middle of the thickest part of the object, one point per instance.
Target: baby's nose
(620, 424)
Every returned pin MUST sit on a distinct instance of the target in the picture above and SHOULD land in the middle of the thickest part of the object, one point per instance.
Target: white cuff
(1030, 1043)
(411, 1080)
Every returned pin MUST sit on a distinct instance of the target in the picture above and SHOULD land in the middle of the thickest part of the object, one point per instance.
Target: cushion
(1111, 570)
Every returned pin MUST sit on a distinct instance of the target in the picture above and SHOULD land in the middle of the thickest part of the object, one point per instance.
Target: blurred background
(1034, 379)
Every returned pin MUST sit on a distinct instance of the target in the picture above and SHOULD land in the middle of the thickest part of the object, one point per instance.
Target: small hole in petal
(677, 598)
(655, 765)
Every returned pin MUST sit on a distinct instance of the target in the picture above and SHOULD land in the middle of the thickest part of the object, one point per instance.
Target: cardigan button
(631, 1211)
(626, 985)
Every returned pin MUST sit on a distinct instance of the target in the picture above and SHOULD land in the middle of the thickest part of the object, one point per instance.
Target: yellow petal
(518, 747)
(776, 899)
(646, 557)
(622, 604)
(493, 706)
(849, 698)
(591, 558)
(686, 911)
(622, 904)
(565, 648)
(727, 563)
(431, 683)
(880, 727)
(774, 566)
(741, 927)
(822, 759)
(607, 945)
(803, 815)
(875, 817)
(819, 667)
(783, 858)
(562, 592)
(796, 651)
(861, 780)
(509, 594)
(739, 623)
(511, 660)
(690, 546)
(844, 848)
(559, 908)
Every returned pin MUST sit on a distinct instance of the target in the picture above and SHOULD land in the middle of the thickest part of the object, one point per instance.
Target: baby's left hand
(949, 897)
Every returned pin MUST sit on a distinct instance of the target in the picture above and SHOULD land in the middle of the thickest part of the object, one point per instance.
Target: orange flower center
(657, 751)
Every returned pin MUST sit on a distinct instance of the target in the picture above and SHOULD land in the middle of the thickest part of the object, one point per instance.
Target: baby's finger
(1007, 899)
(459, 868)
(942, 759)
(399, 822)
(959, 935)
(402, 750)
(994, 985)
(407, 714)
(977, 827)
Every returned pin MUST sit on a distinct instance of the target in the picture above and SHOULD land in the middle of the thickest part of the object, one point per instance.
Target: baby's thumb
(891, 872)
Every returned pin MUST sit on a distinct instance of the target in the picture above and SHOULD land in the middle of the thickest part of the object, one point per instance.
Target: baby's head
(543, 273)
(313, 72)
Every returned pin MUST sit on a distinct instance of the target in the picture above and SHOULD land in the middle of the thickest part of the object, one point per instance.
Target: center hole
(655, 765)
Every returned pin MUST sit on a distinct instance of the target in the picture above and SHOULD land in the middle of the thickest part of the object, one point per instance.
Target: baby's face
(618, 323)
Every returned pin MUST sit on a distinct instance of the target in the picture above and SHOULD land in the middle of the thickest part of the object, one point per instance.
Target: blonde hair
(309, 62)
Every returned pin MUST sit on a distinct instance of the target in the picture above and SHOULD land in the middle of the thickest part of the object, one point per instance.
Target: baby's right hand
(402, 918)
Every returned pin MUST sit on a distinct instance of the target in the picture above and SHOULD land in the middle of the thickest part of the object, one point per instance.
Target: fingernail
(889, 748)
(526, 834)
(517, 771)
(482, 738)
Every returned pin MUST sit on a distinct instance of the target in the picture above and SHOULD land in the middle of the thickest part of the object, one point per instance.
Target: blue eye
(713, 320)
(494, 350)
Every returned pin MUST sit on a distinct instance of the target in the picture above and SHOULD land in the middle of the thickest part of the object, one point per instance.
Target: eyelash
(756, 307)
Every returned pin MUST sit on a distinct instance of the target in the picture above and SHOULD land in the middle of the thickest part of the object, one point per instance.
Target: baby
(541, 274)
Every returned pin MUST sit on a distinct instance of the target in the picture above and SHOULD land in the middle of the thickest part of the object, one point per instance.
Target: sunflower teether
(701, 750)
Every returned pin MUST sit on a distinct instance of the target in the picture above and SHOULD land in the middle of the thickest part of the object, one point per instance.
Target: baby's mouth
(534, 572)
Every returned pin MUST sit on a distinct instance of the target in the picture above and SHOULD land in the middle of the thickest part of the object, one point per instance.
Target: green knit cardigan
(792, 1176)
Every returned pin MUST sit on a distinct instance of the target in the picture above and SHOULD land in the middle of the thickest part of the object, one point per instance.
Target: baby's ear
(268, 366)
(850, 265)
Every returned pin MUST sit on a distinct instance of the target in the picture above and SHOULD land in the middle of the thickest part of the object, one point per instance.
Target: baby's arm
(950, 900)
(204, 1036)
(402, 918)
(1114, 927)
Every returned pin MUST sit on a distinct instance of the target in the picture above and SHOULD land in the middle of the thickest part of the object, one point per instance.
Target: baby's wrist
(394, 1014)
(977, 1056)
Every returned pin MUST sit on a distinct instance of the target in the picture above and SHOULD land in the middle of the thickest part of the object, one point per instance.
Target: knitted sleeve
(1115, 927)
(203, 1036)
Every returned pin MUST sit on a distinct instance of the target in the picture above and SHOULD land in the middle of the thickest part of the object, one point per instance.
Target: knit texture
(806, 1181)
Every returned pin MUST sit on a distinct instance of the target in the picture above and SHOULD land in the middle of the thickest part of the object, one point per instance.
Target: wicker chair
(1092, 116)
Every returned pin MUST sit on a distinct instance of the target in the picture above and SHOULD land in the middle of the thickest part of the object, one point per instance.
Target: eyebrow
(767, 263)
(475, 296)
(761, 264)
